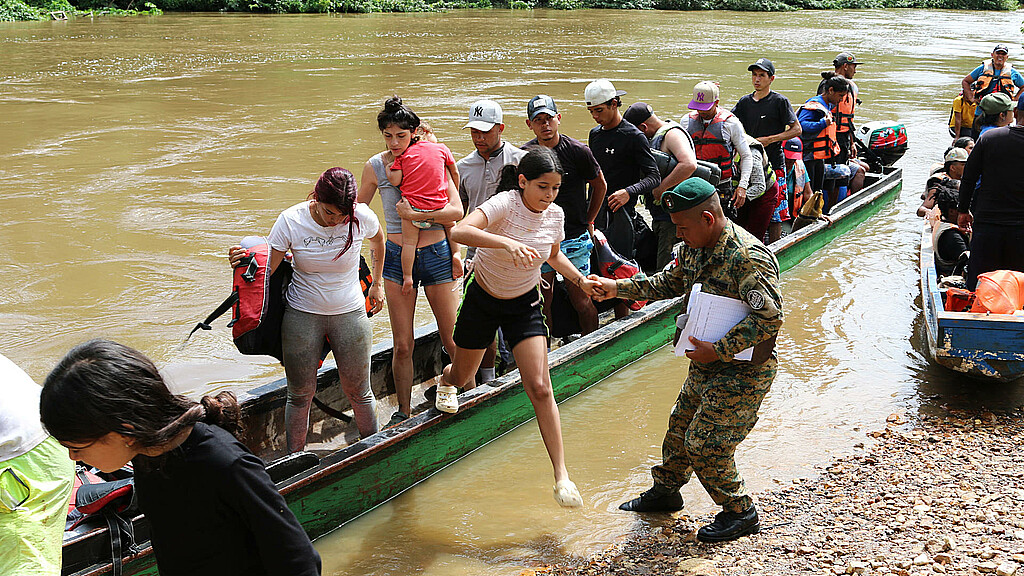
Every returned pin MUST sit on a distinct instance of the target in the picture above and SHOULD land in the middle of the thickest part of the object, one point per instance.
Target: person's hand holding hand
(604, 288)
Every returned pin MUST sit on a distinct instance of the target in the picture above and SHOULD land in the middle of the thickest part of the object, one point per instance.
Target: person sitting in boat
(948, 241)
(950, 174)
(36, 478)
(961, 117)
(211, 506)
(515, 232)
(324, 235)
(435, 262)
(997, 111)
(798, 186)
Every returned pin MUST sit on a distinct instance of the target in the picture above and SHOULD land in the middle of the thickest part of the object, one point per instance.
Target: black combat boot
(657, 499)
(730, 526)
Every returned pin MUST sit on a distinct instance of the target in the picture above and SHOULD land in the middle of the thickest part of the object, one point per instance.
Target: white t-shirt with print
(321, 284)
(20, 429)
(508, 216)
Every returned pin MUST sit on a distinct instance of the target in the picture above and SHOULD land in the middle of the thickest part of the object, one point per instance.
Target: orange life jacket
(710, 143)
(844, 113)
(823, 146)
(989, 82)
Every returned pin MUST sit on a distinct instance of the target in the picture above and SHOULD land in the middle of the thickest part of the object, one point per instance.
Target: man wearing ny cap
(579, 168)
(480, 173)
(995, 210)
(626, 161)
(717, 137)
(718, 404)
(669, 137)
(993, 76)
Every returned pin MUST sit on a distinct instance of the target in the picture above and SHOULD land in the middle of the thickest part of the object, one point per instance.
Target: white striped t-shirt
(508, 216)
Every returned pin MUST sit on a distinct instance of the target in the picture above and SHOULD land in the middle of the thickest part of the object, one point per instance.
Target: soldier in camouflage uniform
(719, 401)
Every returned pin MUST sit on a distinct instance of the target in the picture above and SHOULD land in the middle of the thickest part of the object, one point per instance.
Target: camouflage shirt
(738, 266)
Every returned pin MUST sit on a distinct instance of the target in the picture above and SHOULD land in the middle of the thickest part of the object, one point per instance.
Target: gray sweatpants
(302, 339)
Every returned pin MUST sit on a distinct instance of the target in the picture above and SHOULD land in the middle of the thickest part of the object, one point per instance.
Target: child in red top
(419, 172)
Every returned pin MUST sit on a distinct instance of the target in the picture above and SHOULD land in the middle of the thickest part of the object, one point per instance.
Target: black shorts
(480, 316)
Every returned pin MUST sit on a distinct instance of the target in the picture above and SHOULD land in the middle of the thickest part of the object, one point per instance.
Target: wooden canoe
(361, 476)
(988, 346)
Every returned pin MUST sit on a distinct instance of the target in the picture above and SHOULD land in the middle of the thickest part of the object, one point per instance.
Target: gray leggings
(302, 339)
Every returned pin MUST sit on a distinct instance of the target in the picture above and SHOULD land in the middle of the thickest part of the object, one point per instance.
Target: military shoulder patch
(755, 299)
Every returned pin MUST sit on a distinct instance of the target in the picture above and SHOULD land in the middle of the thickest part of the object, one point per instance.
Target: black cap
(764, 64)
(541, 104)
(845, 58)
(1001, 48)
(638, 113)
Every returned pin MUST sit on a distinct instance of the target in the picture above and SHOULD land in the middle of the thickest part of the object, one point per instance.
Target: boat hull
(986, 346)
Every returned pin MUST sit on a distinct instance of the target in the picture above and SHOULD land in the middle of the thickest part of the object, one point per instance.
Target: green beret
(687, 194)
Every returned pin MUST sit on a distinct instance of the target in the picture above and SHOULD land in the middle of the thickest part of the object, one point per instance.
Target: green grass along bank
(11, 10)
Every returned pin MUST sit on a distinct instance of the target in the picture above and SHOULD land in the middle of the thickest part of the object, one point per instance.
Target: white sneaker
(567, 495)
(447, 399)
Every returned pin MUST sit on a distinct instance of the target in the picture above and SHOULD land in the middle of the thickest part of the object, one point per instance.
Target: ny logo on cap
(478, 111)
(700, 97)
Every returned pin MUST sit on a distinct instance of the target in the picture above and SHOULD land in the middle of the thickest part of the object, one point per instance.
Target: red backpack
(257, 300)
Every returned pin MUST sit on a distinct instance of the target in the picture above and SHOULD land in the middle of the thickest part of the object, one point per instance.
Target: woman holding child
(435, 265)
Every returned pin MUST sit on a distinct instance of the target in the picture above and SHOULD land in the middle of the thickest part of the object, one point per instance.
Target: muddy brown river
(133, 151)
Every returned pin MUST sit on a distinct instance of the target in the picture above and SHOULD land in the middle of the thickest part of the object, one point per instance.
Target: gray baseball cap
(484, 115)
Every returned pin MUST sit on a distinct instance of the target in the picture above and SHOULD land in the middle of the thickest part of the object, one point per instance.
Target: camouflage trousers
(714, 413)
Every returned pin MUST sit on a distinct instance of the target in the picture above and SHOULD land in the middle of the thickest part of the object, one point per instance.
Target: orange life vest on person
(710, 143)
(989, 82)
(824, 145)
(844, 113)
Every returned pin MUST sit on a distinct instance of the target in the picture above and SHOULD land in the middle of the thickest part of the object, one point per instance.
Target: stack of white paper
(710, 318)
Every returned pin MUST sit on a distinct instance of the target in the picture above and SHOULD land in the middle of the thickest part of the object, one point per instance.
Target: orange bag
(999, 292)
(959, 300)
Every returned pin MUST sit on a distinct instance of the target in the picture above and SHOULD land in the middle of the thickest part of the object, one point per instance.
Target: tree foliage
(36, 9)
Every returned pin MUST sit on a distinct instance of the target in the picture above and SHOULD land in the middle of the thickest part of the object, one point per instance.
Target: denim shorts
(577, 250)
(433, 264)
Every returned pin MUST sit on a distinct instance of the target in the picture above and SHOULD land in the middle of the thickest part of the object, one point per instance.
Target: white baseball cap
(600, 91)
(705, 94)
(483, 115)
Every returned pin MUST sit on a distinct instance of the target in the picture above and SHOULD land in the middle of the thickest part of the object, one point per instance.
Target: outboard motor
(884, 142)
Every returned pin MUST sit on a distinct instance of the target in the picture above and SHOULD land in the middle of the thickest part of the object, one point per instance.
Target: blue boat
(988, 346)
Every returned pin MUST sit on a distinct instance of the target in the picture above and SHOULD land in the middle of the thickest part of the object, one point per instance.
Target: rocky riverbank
(938, 495)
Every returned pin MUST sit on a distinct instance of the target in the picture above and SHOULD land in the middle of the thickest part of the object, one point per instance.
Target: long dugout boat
(327, 492)
(984, 346)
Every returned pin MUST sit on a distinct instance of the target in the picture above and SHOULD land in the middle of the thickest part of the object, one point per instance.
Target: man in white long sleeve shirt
(717, 137)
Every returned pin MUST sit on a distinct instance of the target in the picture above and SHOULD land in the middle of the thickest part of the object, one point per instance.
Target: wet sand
(940, 493)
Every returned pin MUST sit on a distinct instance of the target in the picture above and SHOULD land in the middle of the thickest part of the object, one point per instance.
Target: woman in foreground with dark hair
(324, 301)
(211, 506)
